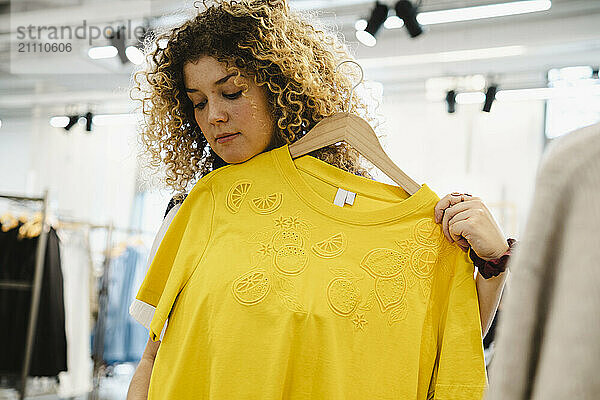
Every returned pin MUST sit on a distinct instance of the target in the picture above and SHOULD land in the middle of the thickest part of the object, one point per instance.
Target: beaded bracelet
(491, 268)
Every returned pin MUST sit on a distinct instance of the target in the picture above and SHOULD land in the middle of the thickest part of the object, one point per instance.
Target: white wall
(14, 157)
(89, 176)
(493, 156)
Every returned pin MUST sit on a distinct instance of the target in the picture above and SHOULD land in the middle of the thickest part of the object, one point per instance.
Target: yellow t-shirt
(272, 291)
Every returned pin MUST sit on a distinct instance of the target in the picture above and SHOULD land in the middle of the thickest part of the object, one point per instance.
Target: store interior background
(96, 176)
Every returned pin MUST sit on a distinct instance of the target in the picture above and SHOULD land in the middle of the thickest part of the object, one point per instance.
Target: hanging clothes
(76, 267)
(17, 256)
(124, 338)
(273, 291)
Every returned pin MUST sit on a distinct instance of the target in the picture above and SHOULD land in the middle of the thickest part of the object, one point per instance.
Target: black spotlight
(377, 18)
(72, 121)
(88, 121)
(490, 96)
(451, 101)
(408, 13)
(595, 73)
(117, 39)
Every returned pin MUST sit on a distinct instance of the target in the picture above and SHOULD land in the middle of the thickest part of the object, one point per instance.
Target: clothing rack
(34, 286)
(98, 350)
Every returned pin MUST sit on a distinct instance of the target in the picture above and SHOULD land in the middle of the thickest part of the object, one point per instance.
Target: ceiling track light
(376, 20)
(88, 121)
(72, 121)
(407, 12)
(490, 96)
(378, 17)
(117, 39)
(451, 101)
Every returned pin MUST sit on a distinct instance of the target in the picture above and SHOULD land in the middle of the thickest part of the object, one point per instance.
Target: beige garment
(548, 343)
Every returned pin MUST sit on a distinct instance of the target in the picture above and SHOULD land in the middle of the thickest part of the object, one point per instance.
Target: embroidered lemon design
(290, 259)
(237, 194)
(382, 263)
(330, 247)
(266, 204)
(251, 287)
(390, 291)
(287, 237)
(343, 296)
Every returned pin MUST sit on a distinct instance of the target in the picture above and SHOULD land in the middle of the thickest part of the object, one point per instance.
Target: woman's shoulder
(177, 199)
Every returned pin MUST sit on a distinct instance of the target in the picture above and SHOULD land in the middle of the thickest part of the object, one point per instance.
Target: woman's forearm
(138, 388)
(489, 292)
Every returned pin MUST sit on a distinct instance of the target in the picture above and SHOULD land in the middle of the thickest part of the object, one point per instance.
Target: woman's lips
(227, 138)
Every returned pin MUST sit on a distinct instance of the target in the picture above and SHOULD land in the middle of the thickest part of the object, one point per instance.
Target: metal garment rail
(98, 350)
(35, 286)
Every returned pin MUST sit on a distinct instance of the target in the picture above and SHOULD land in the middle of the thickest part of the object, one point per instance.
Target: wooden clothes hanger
(357, 133)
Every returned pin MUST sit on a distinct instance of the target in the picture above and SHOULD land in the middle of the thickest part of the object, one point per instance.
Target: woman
(242, 79)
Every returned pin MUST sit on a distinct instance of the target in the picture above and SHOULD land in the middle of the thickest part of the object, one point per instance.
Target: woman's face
(236, 127)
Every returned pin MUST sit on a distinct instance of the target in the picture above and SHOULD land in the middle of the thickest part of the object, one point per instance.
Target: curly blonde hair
(280, 49)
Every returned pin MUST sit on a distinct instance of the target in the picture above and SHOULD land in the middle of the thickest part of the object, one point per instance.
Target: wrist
(500, 254)
(493, 267)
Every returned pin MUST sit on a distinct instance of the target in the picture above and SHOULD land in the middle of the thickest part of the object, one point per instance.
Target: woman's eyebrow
(219, 82)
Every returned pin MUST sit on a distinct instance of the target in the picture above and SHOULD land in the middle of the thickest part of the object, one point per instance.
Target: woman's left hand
(468, 222)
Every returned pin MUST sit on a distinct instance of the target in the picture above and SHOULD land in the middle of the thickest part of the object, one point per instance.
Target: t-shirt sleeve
(141, 311)
(181, 248)
(459, 372)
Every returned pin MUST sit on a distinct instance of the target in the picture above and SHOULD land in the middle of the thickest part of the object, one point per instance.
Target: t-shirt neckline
(401, 204)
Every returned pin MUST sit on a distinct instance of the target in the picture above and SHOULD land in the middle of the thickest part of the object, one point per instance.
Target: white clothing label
(344, 197)
(340, 197)
(350, 197)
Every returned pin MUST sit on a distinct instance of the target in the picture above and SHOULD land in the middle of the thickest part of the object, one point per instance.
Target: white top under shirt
(140, 311)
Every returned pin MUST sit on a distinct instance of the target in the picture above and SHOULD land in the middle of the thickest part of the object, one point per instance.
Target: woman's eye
(233, 96)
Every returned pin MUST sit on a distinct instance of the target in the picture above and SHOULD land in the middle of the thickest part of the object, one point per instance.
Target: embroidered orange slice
(422, 262)
(382, 263)
(266, 204)
(290, 259)
(330, 247)
(237, 194)
(343, 296)
(251, 287)
(427, 232)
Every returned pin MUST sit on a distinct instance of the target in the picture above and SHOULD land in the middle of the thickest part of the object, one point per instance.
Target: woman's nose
(217, 114)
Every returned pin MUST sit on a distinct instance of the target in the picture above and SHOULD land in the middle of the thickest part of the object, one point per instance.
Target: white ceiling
(565, 35)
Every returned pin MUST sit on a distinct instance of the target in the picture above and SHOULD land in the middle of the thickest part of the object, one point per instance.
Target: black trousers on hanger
(17, 263)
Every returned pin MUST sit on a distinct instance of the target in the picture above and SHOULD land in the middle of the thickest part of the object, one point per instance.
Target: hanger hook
(362, 75)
